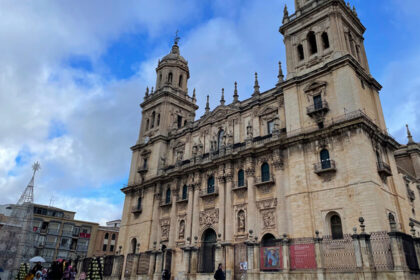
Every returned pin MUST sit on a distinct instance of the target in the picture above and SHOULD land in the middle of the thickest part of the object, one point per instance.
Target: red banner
(271, 258)
(302, 256)
(84, 235)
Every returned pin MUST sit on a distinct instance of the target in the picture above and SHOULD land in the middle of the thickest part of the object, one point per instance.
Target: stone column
(218, 254)
(229, 225)
(398, 256)
(188, 222)
(357, 252)
(251, 207)
(152, 262)
(250, 254)
(230, 260)
(155, 217)
(285, 251)
(221, 206)
(158, 267)
(135, 264)
(320, 271)
(173, 221)
(194, 260)
(196, 212)
(366, 252)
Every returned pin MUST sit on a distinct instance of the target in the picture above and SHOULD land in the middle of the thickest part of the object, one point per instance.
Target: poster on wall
(302, 256)
(271, 258)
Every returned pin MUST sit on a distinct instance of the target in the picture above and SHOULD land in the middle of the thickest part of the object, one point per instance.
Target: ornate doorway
(208, 246)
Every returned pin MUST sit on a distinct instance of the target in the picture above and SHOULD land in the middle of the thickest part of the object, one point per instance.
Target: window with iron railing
(210, 185)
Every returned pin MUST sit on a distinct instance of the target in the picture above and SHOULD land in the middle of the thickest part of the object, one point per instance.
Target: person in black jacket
(166, 275)
(219, 274)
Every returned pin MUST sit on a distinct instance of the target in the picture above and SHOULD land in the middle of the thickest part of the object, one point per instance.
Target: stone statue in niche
(276, 124)
(179, 155)
(194, 150)
(249, 133)
(200, 147)
(241, 221)
(162, 161)
(181, 230)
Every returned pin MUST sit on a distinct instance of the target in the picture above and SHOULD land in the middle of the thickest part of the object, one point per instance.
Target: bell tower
(165, 108)
(328, 72)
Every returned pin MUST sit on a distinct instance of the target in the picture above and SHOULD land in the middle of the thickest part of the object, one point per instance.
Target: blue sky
(73, 73)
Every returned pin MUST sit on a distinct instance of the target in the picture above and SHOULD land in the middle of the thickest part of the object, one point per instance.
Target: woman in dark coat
(219, 274)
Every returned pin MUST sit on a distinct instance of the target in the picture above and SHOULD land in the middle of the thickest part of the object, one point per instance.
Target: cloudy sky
(72, 74)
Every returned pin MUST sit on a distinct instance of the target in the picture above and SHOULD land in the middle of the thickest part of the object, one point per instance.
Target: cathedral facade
(305, 159)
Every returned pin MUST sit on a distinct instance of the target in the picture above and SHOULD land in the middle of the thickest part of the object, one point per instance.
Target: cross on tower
(176, 40)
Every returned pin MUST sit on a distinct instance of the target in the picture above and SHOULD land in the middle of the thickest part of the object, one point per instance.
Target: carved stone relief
(209, 217)
(164, 228)
(267, 203)
(268, 218)
(241, 221)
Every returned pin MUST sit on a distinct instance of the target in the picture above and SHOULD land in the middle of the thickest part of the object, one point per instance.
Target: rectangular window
(104, 247)
(179, 121)
(317, 102)
(111, 248)
(270, 127)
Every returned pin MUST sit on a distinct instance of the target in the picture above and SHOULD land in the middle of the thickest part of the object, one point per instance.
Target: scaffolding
(17, 236)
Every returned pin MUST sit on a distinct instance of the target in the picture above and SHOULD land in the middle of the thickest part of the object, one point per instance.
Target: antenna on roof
(51, 201)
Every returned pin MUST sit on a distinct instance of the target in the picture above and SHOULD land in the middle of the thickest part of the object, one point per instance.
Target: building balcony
(208, 193)
(53, 231)
(64, 247)
(384, 169)
(142, 169)
(180, 199)
(166, 203)
(50, 244)
(68, 233)
(136, 209)
(236, 186)
(321, 107)
(82, 248)
(325, 166)
(264, 181)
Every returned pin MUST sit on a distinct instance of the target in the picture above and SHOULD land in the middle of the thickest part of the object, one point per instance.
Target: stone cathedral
(309, 160)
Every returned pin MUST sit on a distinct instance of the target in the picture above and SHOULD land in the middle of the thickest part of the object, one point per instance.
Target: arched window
(210, 184)
(170, 78)
(184, 192)
(147, 124)
(139, 203)
(180, 81)
(133, 245)
(152, 123)
(168, 196)
(220, 139)
(106, 235)
(313, 49)
(325, 159)
(268, 240)
(265, 172)
(241, 178)
(301, 54)
(336, 227)
(325, 40)
(113, 236)
(158, 120)
(208, 241)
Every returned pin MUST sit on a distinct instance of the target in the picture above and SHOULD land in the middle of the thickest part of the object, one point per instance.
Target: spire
(285, 14)
(176, 39)
(256, 85)
(280, 76)
(194, 97)
(151, 92)
(409, 136)
(207, 105)
(222, 100)
(235, 93)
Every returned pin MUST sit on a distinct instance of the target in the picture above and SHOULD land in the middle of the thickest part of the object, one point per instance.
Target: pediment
(219, 113)
(267, 110)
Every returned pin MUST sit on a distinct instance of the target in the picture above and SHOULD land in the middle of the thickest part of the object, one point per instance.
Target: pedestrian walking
(219, 274)
(166, 275)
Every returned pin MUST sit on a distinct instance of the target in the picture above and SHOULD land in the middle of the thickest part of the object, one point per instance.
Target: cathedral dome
(174, 55)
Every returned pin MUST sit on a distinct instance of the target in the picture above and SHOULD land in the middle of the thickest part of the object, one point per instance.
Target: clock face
(146, 139)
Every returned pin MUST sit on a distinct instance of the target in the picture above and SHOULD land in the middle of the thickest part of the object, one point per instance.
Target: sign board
(302, 256)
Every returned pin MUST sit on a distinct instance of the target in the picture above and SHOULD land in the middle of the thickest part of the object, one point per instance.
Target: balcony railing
(317, 107)
(68, 233)
(82, 248)
(206, 192)
(166, 203)
(264, 180)
(384, 169)
(325, 166)
(237, 186)
(136, 209)
(50, 244)
(53, 231)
